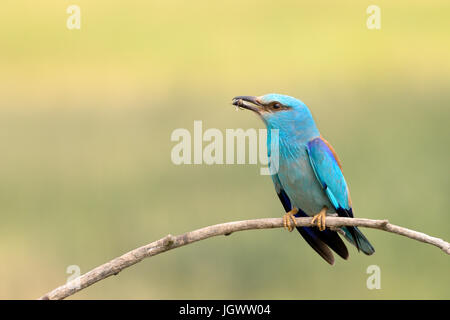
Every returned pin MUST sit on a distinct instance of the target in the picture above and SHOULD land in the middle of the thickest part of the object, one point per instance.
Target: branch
(170, 242)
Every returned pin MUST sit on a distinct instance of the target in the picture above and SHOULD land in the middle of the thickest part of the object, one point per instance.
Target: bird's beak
(248, 102)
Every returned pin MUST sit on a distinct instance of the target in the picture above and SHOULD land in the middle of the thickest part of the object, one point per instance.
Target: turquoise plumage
(309, 175)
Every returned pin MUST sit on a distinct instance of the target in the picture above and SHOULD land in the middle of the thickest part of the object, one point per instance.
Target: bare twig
(171, 242)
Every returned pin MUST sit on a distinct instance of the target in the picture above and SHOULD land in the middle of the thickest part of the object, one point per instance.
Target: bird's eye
(276, 105)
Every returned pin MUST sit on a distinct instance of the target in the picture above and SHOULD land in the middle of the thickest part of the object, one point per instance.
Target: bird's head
(277, 110)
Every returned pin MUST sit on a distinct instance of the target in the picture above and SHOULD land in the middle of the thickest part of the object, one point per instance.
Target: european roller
(308, 177)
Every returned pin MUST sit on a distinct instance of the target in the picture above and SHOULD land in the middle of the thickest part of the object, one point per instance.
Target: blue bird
(306, 172)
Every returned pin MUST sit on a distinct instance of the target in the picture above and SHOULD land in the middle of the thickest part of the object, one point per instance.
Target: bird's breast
(299, 181)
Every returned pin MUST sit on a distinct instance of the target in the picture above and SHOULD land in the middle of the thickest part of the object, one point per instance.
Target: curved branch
(171, 242)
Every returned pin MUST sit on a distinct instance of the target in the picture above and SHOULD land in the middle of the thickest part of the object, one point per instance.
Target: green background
(85, 123)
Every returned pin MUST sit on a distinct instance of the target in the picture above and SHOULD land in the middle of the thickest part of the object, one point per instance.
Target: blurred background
(86, 118)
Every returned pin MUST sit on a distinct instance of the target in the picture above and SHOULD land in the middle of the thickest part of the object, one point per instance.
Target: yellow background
(85, 123)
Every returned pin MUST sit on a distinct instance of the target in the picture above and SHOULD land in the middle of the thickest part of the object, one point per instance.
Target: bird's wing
(318, 240)
(285, 201)
(327, 167)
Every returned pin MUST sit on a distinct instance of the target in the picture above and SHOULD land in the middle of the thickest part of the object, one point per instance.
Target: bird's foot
(320, 217)
(289, 220)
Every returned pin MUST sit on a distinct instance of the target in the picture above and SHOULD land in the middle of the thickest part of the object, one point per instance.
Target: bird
(307, 174)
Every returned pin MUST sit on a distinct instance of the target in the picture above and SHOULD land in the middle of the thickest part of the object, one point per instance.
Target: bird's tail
(322, 241)
(356, 237)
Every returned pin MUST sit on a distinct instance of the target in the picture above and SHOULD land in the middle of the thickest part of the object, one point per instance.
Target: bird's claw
(289, 220)
(320, 218)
